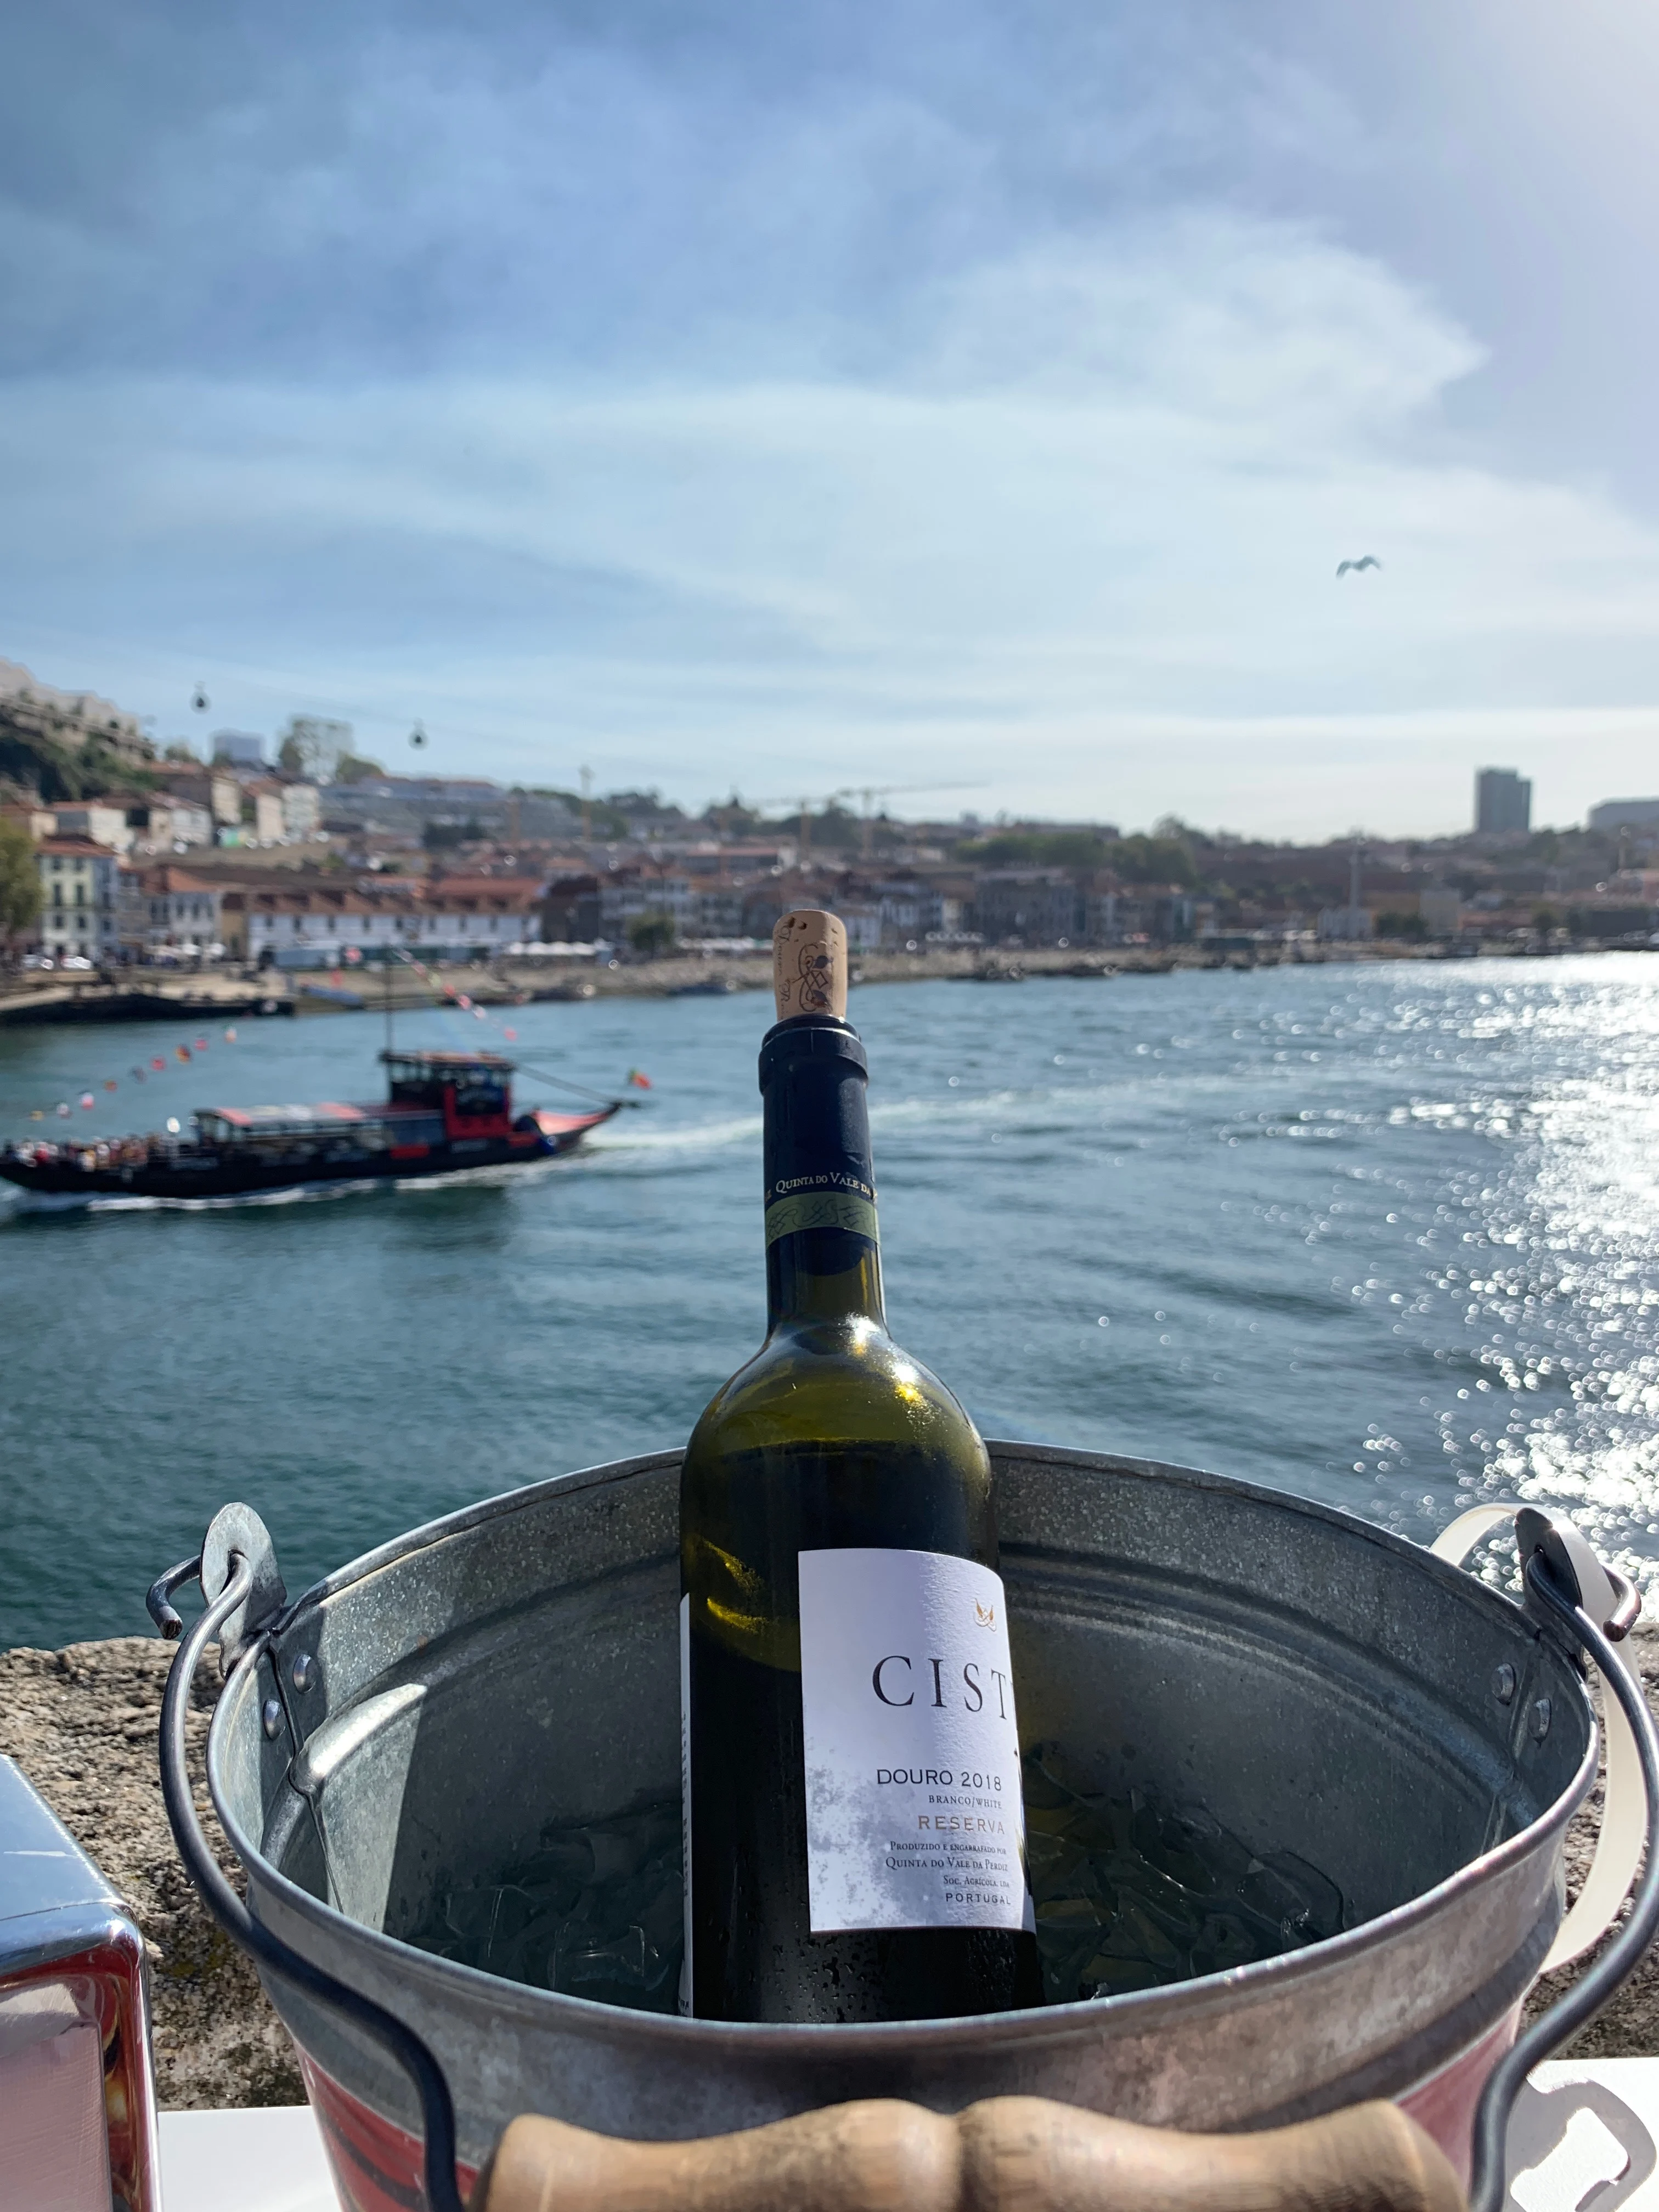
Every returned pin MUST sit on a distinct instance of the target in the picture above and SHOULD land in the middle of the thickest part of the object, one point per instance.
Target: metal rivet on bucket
(1503, 1683)
(304, 1671)
(1540, 1719)
(270, 1717)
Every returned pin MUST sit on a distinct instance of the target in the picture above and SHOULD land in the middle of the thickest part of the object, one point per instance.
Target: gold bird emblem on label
(985, 1614)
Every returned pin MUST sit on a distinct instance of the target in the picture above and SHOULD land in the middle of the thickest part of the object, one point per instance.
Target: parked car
(77, 960)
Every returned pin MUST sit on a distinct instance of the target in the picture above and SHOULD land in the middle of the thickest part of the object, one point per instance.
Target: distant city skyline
(893, 394)
(1506, 805)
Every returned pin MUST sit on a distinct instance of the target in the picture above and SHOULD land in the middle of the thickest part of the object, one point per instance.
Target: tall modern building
(1503, 799)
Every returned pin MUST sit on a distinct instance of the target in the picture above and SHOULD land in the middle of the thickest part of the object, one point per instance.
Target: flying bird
(1365, 560)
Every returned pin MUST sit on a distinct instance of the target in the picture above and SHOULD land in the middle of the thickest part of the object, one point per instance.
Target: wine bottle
(855, 1842)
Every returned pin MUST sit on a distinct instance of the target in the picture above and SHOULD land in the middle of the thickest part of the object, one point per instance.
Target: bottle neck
(823, 1256)
(799, 1289)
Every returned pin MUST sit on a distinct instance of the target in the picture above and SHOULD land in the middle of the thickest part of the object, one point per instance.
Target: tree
(1155, 859)
(19, 883)
(1039, 848)
(651, 934)
(356, 767)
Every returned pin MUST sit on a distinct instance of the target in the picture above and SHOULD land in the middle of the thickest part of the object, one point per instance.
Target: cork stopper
(809, 963)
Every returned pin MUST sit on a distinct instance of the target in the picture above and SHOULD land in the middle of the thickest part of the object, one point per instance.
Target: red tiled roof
(171, 880)
(477, 898)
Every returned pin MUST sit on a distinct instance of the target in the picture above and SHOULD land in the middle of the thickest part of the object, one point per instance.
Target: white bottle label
(913, 1813)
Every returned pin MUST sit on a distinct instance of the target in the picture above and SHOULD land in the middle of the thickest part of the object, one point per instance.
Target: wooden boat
(444, 1113)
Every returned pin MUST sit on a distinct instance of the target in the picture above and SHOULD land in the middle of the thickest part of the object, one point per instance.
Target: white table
(1578, 2124)
(270, 2160)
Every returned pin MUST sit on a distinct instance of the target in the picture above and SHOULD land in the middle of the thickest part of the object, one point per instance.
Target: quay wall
(220, 992)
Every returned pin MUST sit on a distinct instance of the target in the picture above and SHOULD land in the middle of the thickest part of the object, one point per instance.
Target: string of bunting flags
(167, 1063)
(637, 1079)
(160, 1063)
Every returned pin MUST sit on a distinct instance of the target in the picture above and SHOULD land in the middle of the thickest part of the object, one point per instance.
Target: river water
(1385, 1236)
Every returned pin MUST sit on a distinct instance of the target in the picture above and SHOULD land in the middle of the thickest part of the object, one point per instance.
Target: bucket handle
(1545, 1580)
(241, 1582)
(1612, 1604)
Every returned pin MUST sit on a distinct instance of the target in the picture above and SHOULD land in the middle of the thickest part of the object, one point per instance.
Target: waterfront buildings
(318, 923)
(169, 909)
(1027, 906)
(79, 887)
(1346, 925)
(1141, 913)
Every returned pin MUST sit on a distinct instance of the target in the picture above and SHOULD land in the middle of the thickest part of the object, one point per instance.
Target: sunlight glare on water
(1384, 1235)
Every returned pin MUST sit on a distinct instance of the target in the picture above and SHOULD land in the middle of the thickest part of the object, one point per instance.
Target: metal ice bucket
(1321, 1686)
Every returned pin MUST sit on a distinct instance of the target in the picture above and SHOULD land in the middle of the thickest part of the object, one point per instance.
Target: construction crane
(866, 792)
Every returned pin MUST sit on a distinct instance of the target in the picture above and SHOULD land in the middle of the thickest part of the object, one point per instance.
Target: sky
(966, 402)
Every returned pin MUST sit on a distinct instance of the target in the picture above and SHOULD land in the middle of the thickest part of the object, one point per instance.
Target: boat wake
(618, 1144)
(34, 1204)
(24, 1206)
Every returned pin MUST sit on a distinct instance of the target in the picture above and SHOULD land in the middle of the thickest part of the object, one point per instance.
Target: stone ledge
(82, 1723)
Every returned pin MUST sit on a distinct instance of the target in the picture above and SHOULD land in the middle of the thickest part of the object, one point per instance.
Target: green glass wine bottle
(854, 1833)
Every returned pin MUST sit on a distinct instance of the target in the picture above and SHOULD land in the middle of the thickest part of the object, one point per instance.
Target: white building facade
(320, 928)
(80, 887)
(171, 910)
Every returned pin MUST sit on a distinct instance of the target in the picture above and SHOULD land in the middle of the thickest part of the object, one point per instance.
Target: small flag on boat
(230, 1036)
(37, 1113)
(201, 1044)
(461, 999)
(109, 1083)
(158, 1062)
(184, 1052)
(640, 1080)
(86, 1101)
(137, 1074)
(512, 1036)
(62, 1108)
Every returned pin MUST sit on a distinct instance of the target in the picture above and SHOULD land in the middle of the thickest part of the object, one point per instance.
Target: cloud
(916, 392)
(1101, 493)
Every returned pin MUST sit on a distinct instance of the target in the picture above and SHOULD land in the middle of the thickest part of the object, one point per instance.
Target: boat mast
(385, 989)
